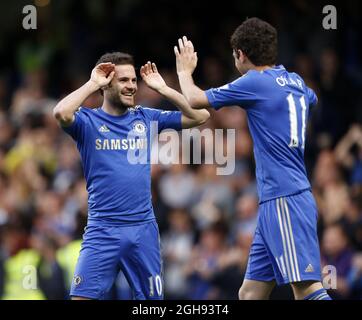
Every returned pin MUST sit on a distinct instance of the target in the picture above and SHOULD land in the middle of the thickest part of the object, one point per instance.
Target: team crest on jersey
(139, 127)
(77, 280)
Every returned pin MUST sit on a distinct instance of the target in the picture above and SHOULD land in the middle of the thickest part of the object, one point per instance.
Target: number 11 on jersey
(293, 121)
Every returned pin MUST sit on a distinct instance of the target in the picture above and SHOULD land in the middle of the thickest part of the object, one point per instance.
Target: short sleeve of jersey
(76, 129)
(240, 92)
(312, 97)
(165, 119)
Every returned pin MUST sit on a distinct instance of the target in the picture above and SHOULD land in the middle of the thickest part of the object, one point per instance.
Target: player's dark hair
(257, 39)
(118, 58)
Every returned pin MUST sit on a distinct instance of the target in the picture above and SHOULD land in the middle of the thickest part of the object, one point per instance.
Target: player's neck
(250, 66)
(113, 110)
(262, 68)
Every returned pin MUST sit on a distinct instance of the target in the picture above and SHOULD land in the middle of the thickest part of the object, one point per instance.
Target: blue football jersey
(115, 154)
(277, 104)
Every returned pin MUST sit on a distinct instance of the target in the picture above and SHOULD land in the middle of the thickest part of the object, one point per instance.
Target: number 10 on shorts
(155, 282)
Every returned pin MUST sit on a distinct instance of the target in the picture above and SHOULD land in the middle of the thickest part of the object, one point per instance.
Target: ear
(240, 55)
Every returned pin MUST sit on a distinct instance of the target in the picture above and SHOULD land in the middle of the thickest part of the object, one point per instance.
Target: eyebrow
(126, 78)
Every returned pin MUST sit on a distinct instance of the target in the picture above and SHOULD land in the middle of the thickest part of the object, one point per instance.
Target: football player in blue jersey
(121, 233)
(277, 102)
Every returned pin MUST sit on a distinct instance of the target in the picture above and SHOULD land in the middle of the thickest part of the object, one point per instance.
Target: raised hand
(355, 133)
(102, 74)
(186, 57)
(150, 75)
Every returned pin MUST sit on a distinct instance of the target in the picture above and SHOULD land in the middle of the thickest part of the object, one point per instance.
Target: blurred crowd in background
(206, 221)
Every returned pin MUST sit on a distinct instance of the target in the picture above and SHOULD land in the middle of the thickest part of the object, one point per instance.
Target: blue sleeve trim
(73, 129)
(173, 121)
(212, 100)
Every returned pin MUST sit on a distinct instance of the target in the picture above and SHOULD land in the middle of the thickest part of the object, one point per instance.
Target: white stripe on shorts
(294, 254)
(283, 240)
(288, 242)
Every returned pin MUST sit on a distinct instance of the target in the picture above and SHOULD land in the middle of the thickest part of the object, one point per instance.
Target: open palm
(150, 75)
(103, 73)
(186, 57)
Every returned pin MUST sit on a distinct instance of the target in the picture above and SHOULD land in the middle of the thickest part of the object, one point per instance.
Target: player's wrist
(185, 73)
(92, 85)
(163, 89)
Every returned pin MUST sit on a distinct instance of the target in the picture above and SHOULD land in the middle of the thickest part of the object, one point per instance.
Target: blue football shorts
(135, 250)
(285, 246)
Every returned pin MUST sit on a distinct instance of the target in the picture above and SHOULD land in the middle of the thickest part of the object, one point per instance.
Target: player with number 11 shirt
(277, 103)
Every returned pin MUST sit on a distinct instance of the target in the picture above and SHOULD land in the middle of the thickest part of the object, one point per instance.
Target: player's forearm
(199, 116)
(343, 150)
(343, 147)
(65, 109)
(193, 94)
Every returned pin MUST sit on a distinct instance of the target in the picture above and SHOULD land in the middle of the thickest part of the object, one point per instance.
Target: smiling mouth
(128, 95)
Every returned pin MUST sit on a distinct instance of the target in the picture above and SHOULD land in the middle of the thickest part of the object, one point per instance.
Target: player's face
(123, 87)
